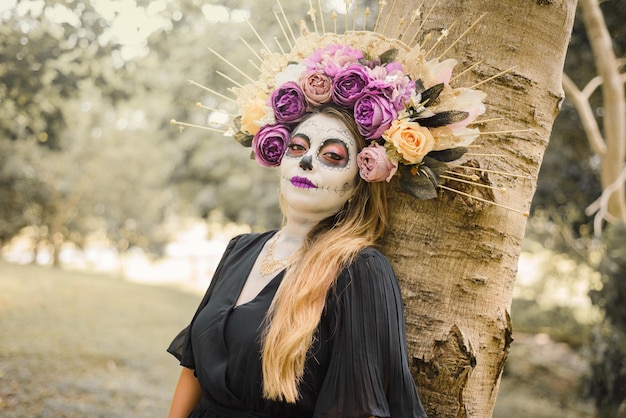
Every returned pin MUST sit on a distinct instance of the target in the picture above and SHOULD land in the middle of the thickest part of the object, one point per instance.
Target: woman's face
(319, 169)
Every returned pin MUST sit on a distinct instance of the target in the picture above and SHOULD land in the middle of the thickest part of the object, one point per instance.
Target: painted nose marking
(306, 162)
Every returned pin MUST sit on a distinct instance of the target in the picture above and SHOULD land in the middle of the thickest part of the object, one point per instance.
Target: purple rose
(349, 85)
(269, 144)
(288, 103)
(403, 91)
(373, 115)
(394, 85)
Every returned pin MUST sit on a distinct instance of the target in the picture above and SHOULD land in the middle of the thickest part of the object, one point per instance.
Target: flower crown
(412, 121)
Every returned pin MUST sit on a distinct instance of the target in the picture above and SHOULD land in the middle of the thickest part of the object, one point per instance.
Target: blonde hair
(329, 247)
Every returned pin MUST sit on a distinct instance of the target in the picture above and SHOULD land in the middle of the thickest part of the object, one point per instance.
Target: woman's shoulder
(250, 238)
(369, 255)
(243, 244)
(369, 268)
(371, 252)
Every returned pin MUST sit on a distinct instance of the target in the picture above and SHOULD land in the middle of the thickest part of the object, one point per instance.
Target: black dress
(356, 367)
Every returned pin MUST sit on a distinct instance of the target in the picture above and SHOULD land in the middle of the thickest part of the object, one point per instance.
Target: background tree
(213, 174)
(605, 130)
(609, 144)
(607, 380)
(49, 52)
(79, 153)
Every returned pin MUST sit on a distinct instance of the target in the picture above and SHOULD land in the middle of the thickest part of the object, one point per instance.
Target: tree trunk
(457, 260)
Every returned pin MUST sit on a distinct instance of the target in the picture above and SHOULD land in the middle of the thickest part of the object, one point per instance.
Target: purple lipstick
(302, 183)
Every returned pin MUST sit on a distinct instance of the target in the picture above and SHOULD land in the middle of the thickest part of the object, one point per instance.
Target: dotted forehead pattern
(322, 130)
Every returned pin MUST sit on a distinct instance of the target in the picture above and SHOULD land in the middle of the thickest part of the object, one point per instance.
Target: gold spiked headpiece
(415, 123)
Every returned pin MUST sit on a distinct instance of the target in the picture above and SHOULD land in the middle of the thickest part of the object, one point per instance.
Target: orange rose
(410, 140)
(252, 114)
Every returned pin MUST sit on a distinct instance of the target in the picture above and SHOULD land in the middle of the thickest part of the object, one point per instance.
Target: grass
(75, 344)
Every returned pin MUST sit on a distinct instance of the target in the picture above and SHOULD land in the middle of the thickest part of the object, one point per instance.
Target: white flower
(415, 102)
(465, 136)
(442, 71)
(291, 73)
(268, 118)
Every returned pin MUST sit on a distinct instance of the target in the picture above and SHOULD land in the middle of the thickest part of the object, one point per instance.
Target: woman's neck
(294, 232)
(299, 224)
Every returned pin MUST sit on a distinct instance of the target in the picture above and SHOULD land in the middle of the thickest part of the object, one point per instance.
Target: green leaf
(429, 96)
(428, 172)
(388, 56)
(448, 155)
(436, 167)
(419, 86)
(244, 138)
(444, 118)
(420, 185)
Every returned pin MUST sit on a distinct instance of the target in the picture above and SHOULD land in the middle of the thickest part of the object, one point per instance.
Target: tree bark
(457, 259)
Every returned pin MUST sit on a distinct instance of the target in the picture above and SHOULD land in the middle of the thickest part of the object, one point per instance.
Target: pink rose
(317, 88)
(375, 165)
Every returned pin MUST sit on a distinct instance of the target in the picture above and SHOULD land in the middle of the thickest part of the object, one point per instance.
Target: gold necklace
(270, 266)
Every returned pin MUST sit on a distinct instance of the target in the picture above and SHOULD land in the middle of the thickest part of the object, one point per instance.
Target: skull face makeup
(319, 170)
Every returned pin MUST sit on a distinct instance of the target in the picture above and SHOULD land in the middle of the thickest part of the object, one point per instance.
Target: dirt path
(74, 344)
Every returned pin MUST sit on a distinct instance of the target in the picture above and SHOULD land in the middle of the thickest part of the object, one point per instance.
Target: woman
(306, 321)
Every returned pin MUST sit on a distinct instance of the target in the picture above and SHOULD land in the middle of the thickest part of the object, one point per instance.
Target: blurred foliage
(53, 73)
(612, 296)
(85, 140)
(607, 381)
(532, 318)
(550, 296)
(42, 63)
(568, 183)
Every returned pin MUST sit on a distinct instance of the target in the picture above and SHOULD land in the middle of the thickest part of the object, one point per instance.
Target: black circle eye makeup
(333, 153)
(297, 147)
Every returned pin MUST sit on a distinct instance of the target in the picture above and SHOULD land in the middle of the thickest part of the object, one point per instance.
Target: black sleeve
(369, 374)
(180, 347)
